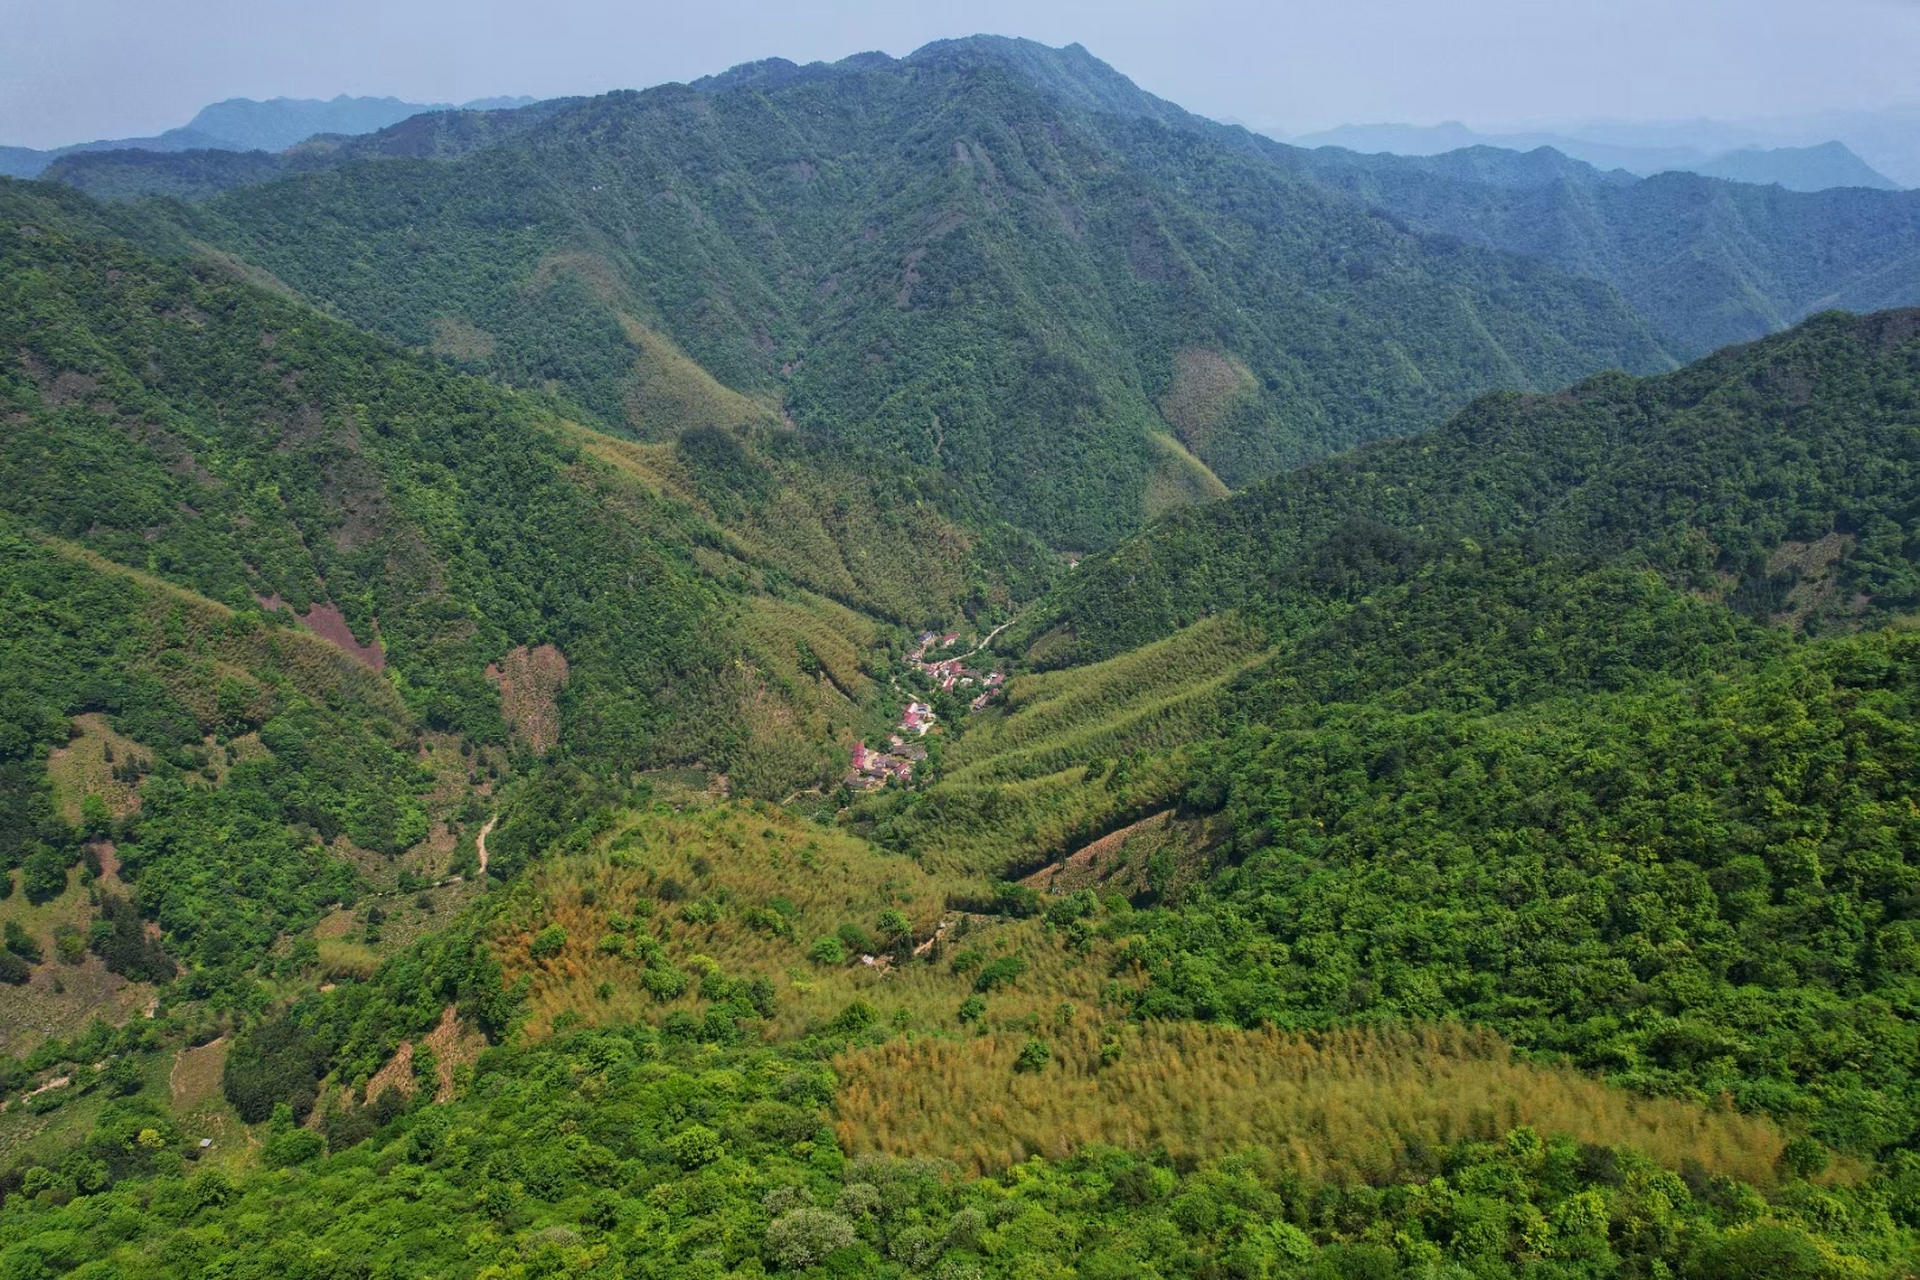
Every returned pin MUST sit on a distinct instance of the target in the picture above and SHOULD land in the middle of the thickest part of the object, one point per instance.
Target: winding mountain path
(989, 640)
(480, 843)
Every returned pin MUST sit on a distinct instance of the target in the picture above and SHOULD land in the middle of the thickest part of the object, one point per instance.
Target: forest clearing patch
(1344, 1104)
(530, 681)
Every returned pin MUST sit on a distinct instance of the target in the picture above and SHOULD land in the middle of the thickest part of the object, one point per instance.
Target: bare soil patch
(327, 622)
(194, 1080)
(530, 682)
(453, 1046)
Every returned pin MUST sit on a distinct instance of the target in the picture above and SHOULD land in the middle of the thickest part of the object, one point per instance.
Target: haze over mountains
(934, 668)
(242, 124)
(1805, 168)
(951, 248)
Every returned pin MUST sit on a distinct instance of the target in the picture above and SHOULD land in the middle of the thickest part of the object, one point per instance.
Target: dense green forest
(1706, 261)
(1010, 264)
(624, 1153)
(1000, 262)
(427, 835)
(1777, 476)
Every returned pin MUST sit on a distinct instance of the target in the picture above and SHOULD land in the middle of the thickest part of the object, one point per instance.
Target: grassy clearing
(1344, 1105)
(85, 767)
(1179, 479)
(750, 889)
(63, 995)
(192, 1088)
(351, 942)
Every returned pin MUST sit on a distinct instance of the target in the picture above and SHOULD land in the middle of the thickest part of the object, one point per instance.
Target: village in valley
(873, 769)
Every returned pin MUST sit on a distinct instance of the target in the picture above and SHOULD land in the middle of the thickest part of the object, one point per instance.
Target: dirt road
(480, 843)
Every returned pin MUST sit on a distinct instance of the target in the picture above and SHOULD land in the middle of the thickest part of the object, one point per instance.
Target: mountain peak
(1071, 74)
(1815, 168)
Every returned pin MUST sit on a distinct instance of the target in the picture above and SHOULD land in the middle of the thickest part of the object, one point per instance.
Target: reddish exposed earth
(327, 622)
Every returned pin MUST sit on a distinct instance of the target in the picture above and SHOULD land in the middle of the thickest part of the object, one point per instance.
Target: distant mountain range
(1705, 261)
(242, 124)
(1119, 313)
(450, 570)
(1003, 263)
(1817, 167)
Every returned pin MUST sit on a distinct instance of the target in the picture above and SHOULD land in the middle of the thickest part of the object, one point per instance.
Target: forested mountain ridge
(1014, 242)
(1722, 475)
(181, 421)
(1707, 262)
(1583, 717)
(425, 811)
(968, 260)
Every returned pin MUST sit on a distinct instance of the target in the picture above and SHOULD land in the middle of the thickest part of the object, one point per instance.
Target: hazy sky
(72, 70)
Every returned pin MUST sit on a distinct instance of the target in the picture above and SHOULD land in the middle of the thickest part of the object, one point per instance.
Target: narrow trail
(480, 843)
(989, 640)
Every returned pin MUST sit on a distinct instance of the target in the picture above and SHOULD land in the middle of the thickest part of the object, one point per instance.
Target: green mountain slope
(1574, 733)
(233, 759)
(180, 420)
(1707, 262)
(990, 259)
(187, 424)
(205, 483)
(1778, 476)
(1486, 852)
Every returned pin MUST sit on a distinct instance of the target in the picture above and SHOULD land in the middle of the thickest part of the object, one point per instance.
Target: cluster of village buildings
(874, 769)
(952, 673)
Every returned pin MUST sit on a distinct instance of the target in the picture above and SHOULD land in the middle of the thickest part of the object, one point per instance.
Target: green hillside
(984, 260)
(1706, 262)
(1777, 476)
(1588, 733)
(447, 576)
(179, 420)
(289, 610)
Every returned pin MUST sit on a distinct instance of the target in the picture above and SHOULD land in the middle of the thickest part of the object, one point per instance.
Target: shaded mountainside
(1479, 853)
(1569, 718)
(1778, 475)
(992, 259)
(181, 421)
(1707, 262)
(237, 126)
(1814, 168)
(204, 170)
